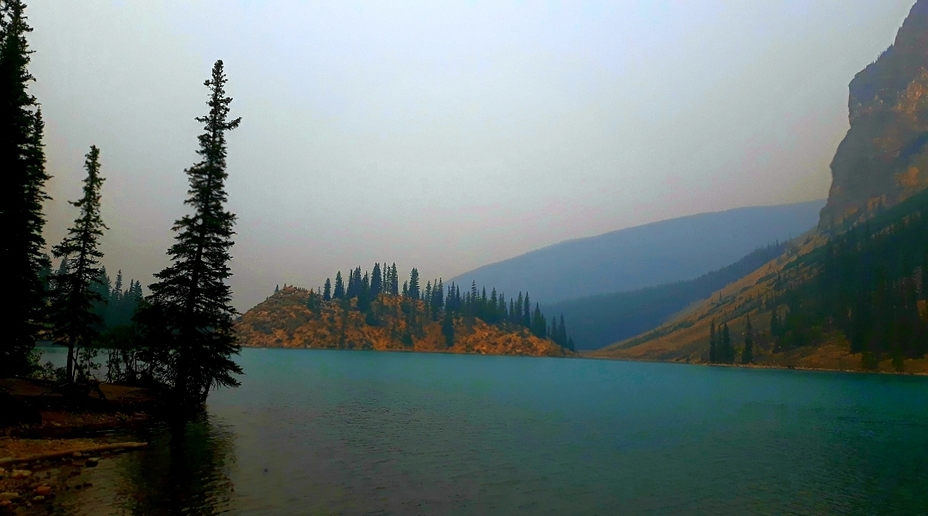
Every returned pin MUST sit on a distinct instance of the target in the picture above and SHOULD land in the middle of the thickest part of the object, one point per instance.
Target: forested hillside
(854, 301)
(598, 321)
(372, 311)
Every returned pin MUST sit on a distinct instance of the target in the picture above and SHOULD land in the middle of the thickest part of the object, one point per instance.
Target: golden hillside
(686, 338)
(285, 321)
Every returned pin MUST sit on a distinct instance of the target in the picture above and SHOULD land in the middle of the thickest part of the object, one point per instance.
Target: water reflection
(185, 470)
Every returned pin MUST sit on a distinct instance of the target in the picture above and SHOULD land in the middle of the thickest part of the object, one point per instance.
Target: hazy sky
(444, 135)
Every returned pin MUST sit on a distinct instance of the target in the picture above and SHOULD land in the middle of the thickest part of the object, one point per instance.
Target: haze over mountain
(597, 321)
(441, 135)
(646, 255)
(851, 295)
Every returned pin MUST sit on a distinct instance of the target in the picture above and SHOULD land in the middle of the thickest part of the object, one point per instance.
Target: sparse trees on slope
(23, 176)
(747, 355)
(189, 312)
(74, 320)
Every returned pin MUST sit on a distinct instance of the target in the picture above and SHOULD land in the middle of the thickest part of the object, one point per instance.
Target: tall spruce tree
(747, 354)
(339, 291)
(726, 349)
(190, 303)
(413, 289)
(713, 343)
(327, 290)
(376, 281)
(22, 191)
(74, 321)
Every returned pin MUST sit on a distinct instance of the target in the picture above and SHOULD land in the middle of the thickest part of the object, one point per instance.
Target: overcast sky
(443, 135)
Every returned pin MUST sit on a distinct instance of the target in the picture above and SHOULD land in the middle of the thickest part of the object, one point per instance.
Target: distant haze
(647, 255)
(442, 135)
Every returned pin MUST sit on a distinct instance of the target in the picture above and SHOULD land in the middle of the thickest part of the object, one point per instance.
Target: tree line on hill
(868, 284)
(435, 302)
(181, 340)
(597, 321)
(722, 349)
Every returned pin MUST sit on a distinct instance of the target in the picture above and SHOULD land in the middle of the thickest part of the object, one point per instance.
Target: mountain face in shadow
(598, 321)
(883, 159)
(643, 256)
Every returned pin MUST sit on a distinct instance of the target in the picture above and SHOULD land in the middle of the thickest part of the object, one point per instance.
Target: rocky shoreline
(48, 441)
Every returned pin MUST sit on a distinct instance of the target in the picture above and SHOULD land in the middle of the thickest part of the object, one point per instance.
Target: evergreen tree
(775, 325)
(539, 326)
(327, 290)
(526, 313)
(413, 289)
(394, 281)
(22, 161)
(727, 350)
(376, 281)
(364, 293)
(447, 328)
(562, 336)
(71, 310)
(352, 289)
(339, 292)
(713, 343)
(747, 355)
(190, 316)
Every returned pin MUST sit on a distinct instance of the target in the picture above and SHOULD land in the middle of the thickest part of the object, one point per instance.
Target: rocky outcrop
(883, 159)
(284, 320)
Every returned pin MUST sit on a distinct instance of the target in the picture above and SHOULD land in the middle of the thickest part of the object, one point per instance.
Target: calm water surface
(347, 432)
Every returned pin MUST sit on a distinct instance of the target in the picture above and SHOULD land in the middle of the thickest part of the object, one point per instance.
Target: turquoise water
(348, 432)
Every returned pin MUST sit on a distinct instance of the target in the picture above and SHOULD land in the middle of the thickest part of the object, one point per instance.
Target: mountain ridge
(647, 255)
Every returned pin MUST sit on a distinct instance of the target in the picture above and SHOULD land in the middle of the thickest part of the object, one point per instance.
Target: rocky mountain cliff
(882, 162)
(285, 321)
(883, 159)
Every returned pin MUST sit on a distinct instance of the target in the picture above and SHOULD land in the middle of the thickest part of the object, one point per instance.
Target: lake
(353, 432)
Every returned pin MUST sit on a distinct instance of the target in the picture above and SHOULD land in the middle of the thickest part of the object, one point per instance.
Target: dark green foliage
(861, 284)
(447, 328)
(713, 343)
(22, 169)
(376, 281)
(726, 350)
(74, 295)
(776, 327)
(339, 292)
(394, 281)
(435, 303)
(747, 354)
(121, 304)
(188, 316)
(327, 290)
(312, 301)
(539, 326)
(413, 289)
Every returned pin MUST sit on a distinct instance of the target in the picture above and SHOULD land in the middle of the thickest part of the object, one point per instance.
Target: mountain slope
(598, 321)
(643, 256)
(854, 294)
(854, 301)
